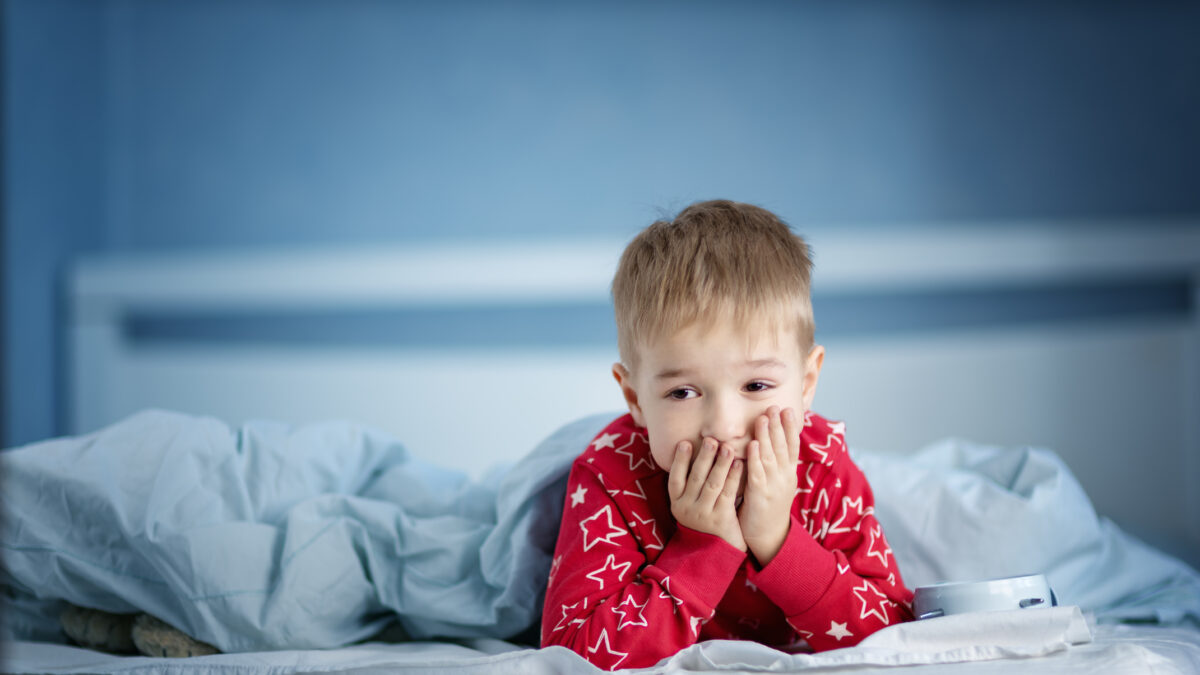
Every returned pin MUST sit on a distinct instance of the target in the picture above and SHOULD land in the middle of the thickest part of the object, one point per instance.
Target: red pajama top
(628, 586)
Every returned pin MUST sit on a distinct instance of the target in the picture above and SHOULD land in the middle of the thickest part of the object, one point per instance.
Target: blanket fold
(276, 537)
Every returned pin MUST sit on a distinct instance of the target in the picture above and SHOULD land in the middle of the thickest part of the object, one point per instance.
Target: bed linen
(1058, 643)
(276, 538)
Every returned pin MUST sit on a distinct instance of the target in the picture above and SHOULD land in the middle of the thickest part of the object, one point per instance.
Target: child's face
(714, 381)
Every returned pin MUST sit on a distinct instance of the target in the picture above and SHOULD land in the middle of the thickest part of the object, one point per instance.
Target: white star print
(847, 504)
(843, 570)
(577, 496)
(696, 621)
(823, 449)
(598, 575)
(603, 640)
(838, 630)
(604, 441)
(640, 458)
(653, 532)
(641, 491)
(613, 530)
(838, 428)
(861, 592)
(625, 620)
(666, 593)
(877, 535)
(563, 622)
(808, 481)
(611, 493)
(821, 504)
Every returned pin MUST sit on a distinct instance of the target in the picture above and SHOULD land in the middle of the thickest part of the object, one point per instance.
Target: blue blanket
(271, 537)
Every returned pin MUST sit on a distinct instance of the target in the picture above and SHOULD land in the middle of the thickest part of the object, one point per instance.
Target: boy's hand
(704, 492)
(771, 460)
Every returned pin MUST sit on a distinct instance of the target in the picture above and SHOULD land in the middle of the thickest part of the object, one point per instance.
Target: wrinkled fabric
(961, 511)
(277, 537)
(987, 644)
(272, 537)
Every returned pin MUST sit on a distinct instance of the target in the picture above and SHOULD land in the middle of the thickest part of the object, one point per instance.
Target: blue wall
(135, 125)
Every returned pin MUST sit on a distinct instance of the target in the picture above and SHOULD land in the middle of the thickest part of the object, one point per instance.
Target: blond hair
(716, 260)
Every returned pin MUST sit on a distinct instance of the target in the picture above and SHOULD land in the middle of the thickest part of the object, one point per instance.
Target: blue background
(134, 125)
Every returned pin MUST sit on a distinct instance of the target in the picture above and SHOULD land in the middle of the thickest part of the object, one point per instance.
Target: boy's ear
(625, 381)
(812, 374)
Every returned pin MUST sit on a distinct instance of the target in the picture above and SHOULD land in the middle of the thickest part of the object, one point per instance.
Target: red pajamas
(628, 586)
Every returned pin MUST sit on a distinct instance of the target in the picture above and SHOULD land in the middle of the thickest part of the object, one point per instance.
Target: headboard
(1084, 338)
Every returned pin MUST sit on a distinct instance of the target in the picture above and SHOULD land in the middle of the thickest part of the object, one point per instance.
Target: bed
(390, 352)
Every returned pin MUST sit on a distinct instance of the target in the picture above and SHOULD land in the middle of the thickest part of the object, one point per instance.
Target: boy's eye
(757, 386)
(681, 393)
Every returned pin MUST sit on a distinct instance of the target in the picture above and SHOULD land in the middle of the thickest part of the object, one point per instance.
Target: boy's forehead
(752, 342)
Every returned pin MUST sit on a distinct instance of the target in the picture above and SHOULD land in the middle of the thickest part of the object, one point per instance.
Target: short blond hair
(716, 260)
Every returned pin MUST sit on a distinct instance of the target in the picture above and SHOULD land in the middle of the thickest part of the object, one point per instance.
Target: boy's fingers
(677, 479)
(717, 477)
(701, 467)
(762, 435)
(732, 481)
(754, 467)
(791, 429)
(779, 441)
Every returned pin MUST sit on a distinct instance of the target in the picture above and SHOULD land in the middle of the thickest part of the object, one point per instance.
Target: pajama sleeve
(606, 600)
(835, 579)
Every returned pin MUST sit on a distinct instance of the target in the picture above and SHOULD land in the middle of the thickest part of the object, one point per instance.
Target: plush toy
(128, 634)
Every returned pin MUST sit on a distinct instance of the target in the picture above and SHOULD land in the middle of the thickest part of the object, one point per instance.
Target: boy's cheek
(663, 457)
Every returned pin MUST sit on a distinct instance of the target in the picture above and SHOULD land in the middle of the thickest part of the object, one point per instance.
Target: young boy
(720, 506)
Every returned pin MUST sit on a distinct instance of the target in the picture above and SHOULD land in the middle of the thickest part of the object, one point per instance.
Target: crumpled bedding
(275, 537)
(272, 537)
(960, 642)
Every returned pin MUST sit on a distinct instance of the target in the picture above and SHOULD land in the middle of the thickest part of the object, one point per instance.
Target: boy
(719, 507)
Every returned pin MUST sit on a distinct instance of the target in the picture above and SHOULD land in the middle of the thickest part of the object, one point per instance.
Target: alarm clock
(1021, 592)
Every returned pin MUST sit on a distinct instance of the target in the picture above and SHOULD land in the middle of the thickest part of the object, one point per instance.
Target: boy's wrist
(764, 549)
(800, 573)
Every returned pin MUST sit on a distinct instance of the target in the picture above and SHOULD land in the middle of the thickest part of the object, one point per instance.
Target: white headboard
(1118, 397)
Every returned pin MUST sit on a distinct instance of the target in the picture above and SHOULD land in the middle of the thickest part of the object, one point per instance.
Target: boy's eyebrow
(767, 363)
(670, 373)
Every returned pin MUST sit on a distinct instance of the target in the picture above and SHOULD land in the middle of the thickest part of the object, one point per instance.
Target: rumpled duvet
(271, 537)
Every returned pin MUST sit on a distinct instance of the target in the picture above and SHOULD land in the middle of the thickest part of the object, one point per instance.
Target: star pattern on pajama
(609, 529)
(626, 609)
(874, 603)
(604, 573)
(637, 458)
(608, 650)
(578, 496)
(631, 585)
(838, 630)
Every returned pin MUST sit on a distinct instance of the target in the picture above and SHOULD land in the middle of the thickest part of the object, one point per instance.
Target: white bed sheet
(1037, 642)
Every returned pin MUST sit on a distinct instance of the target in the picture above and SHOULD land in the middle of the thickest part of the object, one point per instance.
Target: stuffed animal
(128, 634)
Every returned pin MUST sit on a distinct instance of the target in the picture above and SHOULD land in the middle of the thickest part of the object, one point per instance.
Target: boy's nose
(726, 423)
